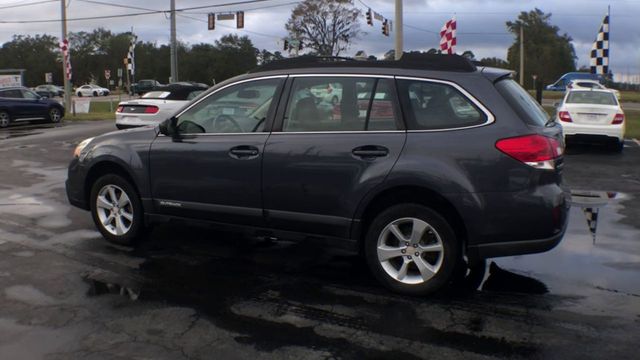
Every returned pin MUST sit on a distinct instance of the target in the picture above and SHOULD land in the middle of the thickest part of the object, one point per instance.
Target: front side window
(28, 94)
(241, 108)
(433, 105)
(318, 104)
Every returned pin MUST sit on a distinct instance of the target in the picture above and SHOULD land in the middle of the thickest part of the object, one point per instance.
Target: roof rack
(436, 62)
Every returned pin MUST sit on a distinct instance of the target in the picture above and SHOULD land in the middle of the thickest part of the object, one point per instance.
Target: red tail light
(151, 110)
(618, 119)
(564, 116)
(120, 108)
(534, 150)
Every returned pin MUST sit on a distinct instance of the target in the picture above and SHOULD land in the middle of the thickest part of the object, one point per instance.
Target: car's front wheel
(55, 115)
(79, 94)
(117, 210)
(411, 249)
(5, 119)
(95, 93)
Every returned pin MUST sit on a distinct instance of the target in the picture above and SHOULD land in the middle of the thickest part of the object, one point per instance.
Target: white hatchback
(592, 114)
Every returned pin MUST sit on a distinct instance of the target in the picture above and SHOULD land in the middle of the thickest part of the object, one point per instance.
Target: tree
(469, 55)
(38, 55)
(327, 27)
(547, 53)
(494, 62)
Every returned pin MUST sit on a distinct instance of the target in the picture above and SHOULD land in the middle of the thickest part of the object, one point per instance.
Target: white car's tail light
(564, 116)
(618, 119)
(151, 110)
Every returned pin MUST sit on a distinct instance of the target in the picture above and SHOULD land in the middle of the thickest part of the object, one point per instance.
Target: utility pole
(398, 29)
(67, 84)
(522, 54)
(174, 50)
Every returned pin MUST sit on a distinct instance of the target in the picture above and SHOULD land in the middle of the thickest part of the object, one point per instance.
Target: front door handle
(244, 152)
(370, 151)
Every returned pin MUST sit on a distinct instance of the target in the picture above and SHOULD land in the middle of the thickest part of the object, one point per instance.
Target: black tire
(95, 93)
(55, 115)
(617, 146)
(5, 119)
(448, 258)
(79, 94)
(136, 228)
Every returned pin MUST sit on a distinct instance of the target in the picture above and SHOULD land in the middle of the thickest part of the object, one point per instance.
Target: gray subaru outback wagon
(424, 165)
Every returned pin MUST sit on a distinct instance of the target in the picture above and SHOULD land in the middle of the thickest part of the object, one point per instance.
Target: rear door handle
(244, 152)
(370, 151)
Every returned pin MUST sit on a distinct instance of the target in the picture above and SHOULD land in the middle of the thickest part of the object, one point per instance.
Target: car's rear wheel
(55, 115)
(5, 119)
(95, 93)
(411, 249)
(79, 94)
(117, 210)
(617, 146)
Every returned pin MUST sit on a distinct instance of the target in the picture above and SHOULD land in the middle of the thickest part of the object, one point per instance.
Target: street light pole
(67, 84)
(398, 29)
(174, 50)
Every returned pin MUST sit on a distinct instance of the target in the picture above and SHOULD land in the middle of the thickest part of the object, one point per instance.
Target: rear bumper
(610, 131)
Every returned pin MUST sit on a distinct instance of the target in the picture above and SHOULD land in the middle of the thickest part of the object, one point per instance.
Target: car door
(212, 169)
(325, 155)
(33, 106)
(15, 103)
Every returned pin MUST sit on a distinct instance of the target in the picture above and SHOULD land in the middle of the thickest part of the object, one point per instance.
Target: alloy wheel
(4, 119)
(54, 115)
(410, 250)
(115, 210)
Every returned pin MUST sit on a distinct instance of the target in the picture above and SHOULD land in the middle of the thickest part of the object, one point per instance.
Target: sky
(481, 23)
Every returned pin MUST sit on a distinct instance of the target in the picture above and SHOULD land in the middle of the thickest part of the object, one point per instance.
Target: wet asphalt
(188, 292)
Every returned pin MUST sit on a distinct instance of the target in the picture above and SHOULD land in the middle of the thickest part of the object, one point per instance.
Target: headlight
(81, 146)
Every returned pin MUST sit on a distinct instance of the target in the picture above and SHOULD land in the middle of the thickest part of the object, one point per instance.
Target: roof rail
(436, 62)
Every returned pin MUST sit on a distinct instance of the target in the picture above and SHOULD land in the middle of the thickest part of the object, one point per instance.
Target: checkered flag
(592, 220)
(131, 59)
(600, 50)
(448, 37)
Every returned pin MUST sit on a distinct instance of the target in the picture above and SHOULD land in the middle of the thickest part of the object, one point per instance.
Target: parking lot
(188, 292)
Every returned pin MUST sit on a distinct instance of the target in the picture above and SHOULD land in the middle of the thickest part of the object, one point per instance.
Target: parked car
(593, 115)
(591, 84)
(467, 167)
(49, 90)
(21, 104)
(561, 84)
(155, 106)
(91, 90)
(144, 86)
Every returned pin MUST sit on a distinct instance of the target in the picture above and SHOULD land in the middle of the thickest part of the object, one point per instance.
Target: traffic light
(240, 20)
(385, 27)
(212, 21)
(286, 45)
(369, 17)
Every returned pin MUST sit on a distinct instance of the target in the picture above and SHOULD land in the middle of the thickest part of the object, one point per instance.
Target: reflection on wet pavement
(25, 129)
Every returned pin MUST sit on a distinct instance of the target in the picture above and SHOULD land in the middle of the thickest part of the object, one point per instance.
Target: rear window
(591, 97)
(522, 102)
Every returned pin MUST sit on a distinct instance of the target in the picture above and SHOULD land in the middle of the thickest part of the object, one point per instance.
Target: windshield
(522, 102)
(591, 97)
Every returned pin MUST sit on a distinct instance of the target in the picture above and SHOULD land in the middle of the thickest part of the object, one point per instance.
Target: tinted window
(522, 102)
(431, 105)
(339, 104)
(236, 109)
(14, 94)
(28, 94)
(591, 97)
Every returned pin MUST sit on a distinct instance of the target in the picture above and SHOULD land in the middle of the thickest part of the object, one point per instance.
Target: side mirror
(168, 127)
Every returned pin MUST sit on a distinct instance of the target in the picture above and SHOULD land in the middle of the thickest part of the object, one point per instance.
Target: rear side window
(522, 102)
(591, 97)
(319, 104)
(433, 105)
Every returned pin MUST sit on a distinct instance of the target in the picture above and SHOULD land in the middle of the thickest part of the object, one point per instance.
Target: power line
(119, 5)
(150, 12)
(22, 4)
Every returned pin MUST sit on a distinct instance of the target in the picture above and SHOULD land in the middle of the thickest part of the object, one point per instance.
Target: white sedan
(155, 106)
(91, 90)
(592, 114)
